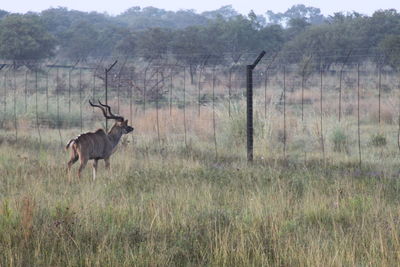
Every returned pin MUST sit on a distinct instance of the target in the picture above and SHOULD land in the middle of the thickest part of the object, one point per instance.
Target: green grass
(167, 203)
(179, 206)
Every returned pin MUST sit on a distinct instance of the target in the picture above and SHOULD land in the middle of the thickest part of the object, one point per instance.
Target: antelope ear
(126, 121)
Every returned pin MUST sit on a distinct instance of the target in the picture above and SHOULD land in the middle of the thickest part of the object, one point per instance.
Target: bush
(339, 140)
(378, 140)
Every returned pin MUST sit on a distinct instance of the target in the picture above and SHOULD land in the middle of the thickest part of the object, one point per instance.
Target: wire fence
(301, 110)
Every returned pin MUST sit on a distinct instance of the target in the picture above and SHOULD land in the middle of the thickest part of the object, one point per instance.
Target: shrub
(378, 140)
(339, 140)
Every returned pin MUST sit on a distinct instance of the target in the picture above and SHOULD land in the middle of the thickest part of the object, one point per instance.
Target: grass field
(176, 205)
(180, 192)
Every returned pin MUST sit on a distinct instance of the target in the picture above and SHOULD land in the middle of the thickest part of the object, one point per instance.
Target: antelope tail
(69, 143)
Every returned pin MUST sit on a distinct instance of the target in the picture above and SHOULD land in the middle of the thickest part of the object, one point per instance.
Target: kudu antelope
(99, 144)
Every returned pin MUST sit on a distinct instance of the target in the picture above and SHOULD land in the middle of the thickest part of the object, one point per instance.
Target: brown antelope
(97, 145)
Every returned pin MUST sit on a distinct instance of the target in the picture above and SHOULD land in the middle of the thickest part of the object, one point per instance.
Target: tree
(381, 24)
(81, 41)
(127, 44)
(111, 39)
(150, 17)
(153, 43)
(311, 15)
(3, 13)
(23, 37)
(272, 38)
(226, 12)
(240, 36)
(390, 46)
(189, 47)
(295, 27)
(328, 43)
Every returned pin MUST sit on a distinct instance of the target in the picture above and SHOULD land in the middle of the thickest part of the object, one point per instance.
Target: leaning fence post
(249, 95)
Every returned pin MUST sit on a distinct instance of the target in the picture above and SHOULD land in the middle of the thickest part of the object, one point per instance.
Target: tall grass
(179, 206)
(170, 203)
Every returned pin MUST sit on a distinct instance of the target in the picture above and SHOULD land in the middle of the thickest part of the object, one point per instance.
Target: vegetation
(176, 205)
(180, 191)
(224, 36)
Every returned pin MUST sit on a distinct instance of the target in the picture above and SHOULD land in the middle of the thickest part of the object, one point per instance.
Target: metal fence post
(249, 95)
(107, 70)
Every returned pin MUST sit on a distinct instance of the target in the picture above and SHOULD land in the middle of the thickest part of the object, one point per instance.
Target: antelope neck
(114, 135)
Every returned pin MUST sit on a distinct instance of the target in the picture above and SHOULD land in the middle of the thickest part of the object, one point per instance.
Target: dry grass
(180, 207)
(170, 203)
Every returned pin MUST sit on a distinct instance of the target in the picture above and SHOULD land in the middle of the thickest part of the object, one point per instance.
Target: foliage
(24, 37)
(378, 140)
(339, 140)
(223, 36)
(153, 43)
(81, 40)
(311, 14)
(3, 13)
(390, 46)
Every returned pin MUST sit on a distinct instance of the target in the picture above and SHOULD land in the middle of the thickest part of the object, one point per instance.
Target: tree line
(222, 36)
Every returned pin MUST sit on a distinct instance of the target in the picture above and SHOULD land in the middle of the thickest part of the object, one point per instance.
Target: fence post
(184, 105)
(170, 96)
(249, 95)
(80, 98)
(94, 87)
(340, 84)
(213, 105)
(358, 113)
(379, 94)
(157, 108)
(26, 91)
(36, 106)
(69, 90)
(47, 91)
(266, 84)
(131, 98)
(303, 80)
(107, 70)
(5, 94)
(321, 114)
(284, 113)
(15, 104)
(58, 105)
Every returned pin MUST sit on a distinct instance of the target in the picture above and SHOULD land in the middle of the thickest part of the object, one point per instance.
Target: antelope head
(120, 123)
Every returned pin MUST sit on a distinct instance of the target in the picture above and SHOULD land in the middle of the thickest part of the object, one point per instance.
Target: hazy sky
(115, 7)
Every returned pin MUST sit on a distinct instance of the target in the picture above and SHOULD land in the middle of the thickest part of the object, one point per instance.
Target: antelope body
(99, 144)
